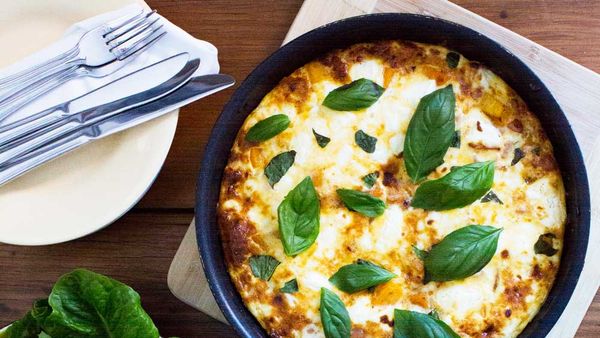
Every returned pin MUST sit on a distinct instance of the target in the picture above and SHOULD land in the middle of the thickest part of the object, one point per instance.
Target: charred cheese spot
(492, 120)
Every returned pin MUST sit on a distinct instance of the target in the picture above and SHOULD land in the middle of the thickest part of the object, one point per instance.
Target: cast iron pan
(373, 27)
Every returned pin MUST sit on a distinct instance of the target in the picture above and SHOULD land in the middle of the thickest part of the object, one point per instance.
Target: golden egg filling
(392, 189)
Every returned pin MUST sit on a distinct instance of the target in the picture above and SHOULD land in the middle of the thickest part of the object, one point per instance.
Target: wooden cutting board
(576, 88)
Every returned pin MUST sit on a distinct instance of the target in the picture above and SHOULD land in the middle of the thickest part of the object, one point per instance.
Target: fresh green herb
(322, 141)
(410, 324)
(544, 245)
(86, 304)
(452, 59)
(430, 133)
(298, 216)
(456, 139)
(263, 266)
(371, 179)
(278, 166)
(268, 128)
(354, 96)
(519, 154)
(365, 141)
(290, 286)
(461, 254)
(419, 253)
(460, 187)
(360, 276)
(361, 202)
(433, 314)
(491, 197)
(334, 316)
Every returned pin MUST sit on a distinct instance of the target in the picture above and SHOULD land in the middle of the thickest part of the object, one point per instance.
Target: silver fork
(100, 52)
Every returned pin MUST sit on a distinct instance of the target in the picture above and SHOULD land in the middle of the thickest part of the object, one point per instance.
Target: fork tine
(117, 23)
(142, 44)
(123, 29)
(125, 37)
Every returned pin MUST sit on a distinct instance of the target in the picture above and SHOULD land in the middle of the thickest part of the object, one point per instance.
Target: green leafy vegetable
(519, 154)
(263, 266)
(491, 197)
(433, 314)
(279, 165)
(360, 276)
(322, 141)
(419, 253)
(452, 59)
(268, 128)
(461, 254)
(371, 179)
(365, 141)
(410, 324)
(456, 139)
(361, 202)
(460, 187)
(430, 133)
(298, 216)
(290, 286)
(334, 316)
(544, 245)
(354, 96)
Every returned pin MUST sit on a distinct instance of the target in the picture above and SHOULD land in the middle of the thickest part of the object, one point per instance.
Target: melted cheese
(498, 301)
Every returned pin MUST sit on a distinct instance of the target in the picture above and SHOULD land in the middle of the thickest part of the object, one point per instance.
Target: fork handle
(11, 132)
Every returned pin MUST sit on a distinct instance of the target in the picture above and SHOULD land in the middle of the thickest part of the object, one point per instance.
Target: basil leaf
(365, 141)
(410, 324)
(26, 327)
(460, 187)
(263, 266)
(360, 276)
(278, 166)
(371, 179)
(354, 96)
(290, 286)
(430, 133)
(334, 316)
(519, 154)
(87, 304)
(455, 139)
(491, 197)
(544, 245)
(298, 216)
(419, 253)
(434, 314)
(461, 254)
(268, 128)
(322, 141)
(361, 202)
(452, 59)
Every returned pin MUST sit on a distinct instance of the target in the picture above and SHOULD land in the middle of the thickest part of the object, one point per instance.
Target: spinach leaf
(322, 141)
(361, 202)
(430, 133)
(410, 324)
(334, 316)
(268, 128)
(461, 254)
(298, 216)
(456, 139)
(460, 187)
(360, 276)
(87, 304)
(371, 179)
(290, 286)
(519, 154)
(452, 59)
(365, 141)
(491, 197)
(278, 166)
(354, 96)
(263, 266)
(544, 245)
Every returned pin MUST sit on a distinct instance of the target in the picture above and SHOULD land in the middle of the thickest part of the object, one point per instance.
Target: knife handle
(19, 129)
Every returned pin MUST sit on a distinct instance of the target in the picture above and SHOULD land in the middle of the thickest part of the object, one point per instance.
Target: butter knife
(193, 90)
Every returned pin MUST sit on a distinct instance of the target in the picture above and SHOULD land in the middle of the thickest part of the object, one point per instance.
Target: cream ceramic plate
(89, 188)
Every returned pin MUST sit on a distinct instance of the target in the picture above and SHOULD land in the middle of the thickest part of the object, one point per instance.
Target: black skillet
(373, 27)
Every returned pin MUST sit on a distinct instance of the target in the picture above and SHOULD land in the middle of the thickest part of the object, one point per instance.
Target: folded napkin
(175, 41)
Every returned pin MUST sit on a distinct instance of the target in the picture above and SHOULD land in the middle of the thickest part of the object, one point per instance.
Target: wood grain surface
(138, 248)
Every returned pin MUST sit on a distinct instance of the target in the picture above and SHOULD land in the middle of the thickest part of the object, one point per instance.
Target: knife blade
(196, 88)
(74, 113)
